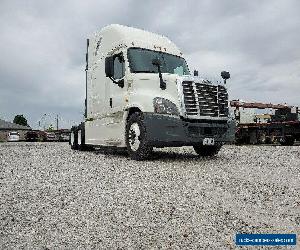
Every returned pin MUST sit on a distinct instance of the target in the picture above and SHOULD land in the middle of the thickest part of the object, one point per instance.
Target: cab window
(119, 66)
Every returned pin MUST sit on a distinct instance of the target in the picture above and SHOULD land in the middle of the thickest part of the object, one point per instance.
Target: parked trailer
(283, 126)
(140, 94)
(286, 133)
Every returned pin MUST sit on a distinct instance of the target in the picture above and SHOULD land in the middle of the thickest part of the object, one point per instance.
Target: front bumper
(13, 139)
(165, 130)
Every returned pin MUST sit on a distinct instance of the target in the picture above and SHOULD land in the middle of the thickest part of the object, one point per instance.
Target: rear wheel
(287, 141)
(136, 138)
(81, 139)
(204, 150)
(74, 139)
(262, 138)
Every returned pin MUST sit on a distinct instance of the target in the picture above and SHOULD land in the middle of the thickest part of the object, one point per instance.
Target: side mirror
(109, 66)
(195, 72)
(156, 62)
(225, 75)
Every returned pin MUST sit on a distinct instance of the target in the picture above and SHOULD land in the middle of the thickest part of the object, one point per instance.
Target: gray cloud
(42, 47)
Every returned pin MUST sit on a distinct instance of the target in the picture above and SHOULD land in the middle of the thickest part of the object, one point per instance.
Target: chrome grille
(189, 98)
(205, 100)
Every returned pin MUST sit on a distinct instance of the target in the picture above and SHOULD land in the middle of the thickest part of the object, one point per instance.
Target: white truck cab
(140, 94)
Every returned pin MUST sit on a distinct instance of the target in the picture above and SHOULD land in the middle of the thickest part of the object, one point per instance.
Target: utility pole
(42, 120)
(56, 122)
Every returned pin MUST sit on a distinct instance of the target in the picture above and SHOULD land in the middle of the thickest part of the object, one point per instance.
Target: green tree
(21, 120)
(50, 128)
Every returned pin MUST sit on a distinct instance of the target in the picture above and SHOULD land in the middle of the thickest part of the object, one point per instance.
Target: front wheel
(136, 138)
(205, 150)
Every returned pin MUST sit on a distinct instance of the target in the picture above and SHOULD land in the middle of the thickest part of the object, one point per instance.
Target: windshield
(140, 61)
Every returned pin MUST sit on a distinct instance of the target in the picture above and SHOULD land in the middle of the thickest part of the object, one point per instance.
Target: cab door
(117, 84)
(116, 101)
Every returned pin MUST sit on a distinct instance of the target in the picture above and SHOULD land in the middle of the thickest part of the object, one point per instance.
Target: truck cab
(140, 94)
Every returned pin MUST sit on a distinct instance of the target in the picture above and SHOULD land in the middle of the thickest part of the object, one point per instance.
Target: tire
(80, 142)
(268, 140)
(287, 141)
(136, 138)
(73, 139)
(81, 139)
(207, 151)
(272, 139)
(262, 139)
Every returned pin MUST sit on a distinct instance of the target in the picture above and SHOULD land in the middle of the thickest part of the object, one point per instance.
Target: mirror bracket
(120, 82)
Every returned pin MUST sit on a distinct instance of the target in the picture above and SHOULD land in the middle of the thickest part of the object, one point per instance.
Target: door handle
(110, 102)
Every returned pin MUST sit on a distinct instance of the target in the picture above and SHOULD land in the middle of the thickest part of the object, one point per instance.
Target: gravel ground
(52, 197)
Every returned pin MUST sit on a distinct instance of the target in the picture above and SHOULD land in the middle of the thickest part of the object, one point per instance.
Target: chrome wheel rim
(134, 137)
(79, 137)
(72, 138)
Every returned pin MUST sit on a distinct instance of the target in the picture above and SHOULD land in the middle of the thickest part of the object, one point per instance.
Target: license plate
(208, 141)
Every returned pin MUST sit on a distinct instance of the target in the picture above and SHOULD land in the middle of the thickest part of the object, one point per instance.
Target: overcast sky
(42, 48)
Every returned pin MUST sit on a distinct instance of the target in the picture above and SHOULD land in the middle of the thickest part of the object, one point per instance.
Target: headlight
(164, 106)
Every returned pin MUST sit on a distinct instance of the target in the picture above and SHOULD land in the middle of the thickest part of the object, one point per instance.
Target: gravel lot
(52, 197)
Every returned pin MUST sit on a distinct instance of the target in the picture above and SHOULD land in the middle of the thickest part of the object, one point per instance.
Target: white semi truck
(140, 94)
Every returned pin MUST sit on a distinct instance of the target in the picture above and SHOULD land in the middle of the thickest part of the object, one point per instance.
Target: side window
(119, 66)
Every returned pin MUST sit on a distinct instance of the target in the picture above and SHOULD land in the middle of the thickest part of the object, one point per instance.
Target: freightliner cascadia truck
(140, 95)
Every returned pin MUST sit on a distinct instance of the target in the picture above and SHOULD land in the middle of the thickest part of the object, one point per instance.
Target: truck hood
(176, 78)
(143, 87)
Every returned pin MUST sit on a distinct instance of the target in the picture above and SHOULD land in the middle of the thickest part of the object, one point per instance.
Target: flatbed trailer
(286, 133)
(282, 127)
